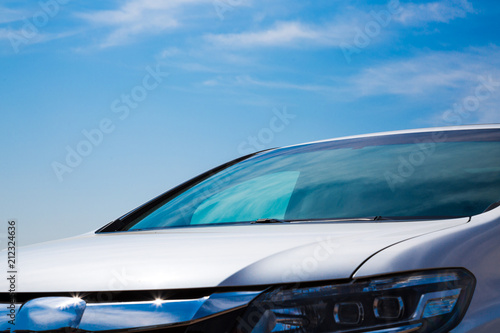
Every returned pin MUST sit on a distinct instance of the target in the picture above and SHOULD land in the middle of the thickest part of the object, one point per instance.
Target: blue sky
(106, 104)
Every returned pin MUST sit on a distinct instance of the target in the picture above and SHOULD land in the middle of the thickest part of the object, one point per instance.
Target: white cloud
(439, 11)
(281, 33)
(431, 79)
(17, 38)
(290, 33)
(138, 11)
(4, 33)
(345, 28)
(196, 67)
(426, 73)
(408, 78)
(10, 15)
(488, 112)
(283, 85)
(467, 82)
(467, 108)
(479, 103)
(210, 83)
(246, 81)
(170, 52)
(143, 17)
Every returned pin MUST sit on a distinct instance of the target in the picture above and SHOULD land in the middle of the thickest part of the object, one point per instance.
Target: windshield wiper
(412, 218)
(338, 219)
(378, 218)
(492, 206)
(269, 221)
(341, 219)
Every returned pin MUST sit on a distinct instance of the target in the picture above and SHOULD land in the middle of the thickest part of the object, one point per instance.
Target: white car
(389, 232)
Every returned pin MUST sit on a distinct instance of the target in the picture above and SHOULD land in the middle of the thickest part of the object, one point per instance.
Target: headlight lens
(432, 301)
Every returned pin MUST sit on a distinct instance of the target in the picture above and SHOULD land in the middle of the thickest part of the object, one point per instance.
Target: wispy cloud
(32, 24)
(439, 11)
(289, 34)
(133, 19)
(283, 33)
(247, 80)
(470, 108)
(10, 15)
(409, 77)
(425, 73)
(4, 33)
(467, 82)
(17, 39)
(343, 28)
(489, 114)
(170, 52)
(443, 75)
(142, 17)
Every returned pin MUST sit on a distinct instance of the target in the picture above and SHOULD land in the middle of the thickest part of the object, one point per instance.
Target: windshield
(437, 174)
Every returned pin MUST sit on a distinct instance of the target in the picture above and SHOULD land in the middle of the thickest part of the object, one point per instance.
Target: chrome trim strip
(120, 316)
(5, 312)
(218, 303)
(52, 313)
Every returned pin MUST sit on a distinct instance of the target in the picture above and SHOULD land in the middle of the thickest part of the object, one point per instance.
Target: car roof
(410, 131)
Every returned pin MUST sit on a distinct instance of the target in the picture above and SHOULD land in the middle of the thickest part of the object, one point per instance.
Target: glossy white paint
(209, 257)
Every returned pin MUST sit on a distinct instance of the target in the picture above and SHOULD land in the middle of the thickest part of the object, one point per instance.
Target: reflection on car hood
(209, 256)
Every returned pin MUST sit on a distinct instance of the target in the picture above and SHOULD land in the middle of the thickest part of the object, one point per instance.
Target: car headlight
(433, 301)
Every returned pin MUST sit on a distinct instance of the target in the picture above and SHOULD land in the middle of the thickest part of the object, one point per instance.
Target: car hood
(205, 257)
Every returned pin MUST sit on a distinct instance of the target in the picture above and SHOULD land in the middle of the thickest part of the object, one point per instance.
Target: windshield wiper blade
(336, 219)
(269, 221)
(492, 206)
(378, 218)
(411, 218)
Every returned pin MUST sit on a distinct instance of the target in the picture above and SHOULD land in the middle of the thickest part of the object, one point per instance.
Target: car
(392, 232)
